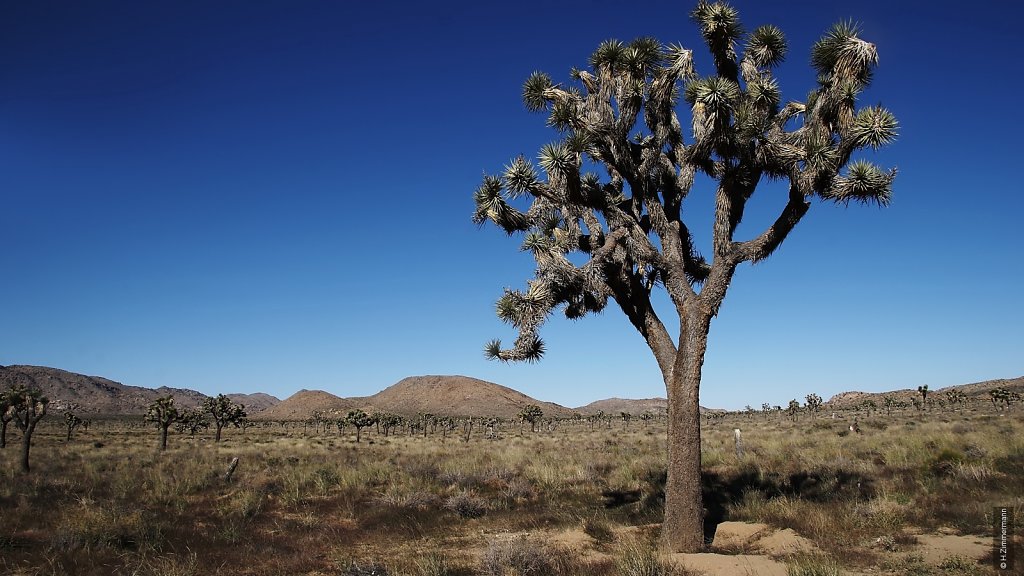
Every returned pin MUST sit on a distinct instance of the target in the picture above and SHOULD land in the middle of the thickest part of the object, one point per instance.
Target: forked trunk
(683, 526)
(216, 438)
(26, 444)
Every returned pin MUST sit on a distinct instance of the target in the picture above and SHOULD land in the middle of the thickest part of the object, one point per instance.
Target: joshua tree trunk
(683, 527)
(26, 443)
(3, 434)
(163, 437)
(220, 425)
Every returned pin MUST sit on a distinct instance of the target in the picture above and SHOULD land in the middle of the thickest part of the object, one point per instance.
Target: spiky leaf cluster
(618, 235)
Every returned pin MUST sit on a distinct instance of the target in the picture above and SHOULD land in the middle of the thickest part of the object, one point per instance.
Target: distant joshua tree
(889, 402)
(359, 420)
(766, 409)
(956, 398)
(793, 409)
(71, 421)
(224, 411)
(163, 413)
(626, 417)
(29, 407)
(530, 413)
(813, 403)
(923, 391)
(192, 421)
(646, 418)
(1003, 396)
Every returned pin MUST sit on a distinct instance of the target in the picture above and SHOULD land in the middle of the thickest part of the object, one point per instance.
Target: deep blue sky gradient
(269, 196)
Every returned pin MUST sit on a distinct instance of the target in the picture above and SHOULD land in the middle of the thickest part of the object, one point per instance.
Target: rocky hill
(438, 395)
(618, 405)
(96, 395)
(974, 392)
(304, 403)
(457, 396)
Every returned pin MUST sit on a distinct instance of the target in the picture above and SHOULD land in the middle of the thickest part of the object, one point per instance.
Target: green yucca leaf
(536, 242)
(875, 127)
(557, 158)
(533, 91)
(821, 154)
(609, 54)
(718, 21)
(764, 93)
(520, 177)
(715, 93)
(537, 293)
(766, 46)
(562, 116)
(487, 197)
(641, 55)
(492, 350)
(863, 182)
(506, 308)
(841, 53)
(533, 349)
(578, 142)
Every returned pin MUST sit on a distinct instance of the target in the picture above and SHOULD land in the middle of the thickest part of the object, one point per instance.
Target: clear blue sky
(269, 196)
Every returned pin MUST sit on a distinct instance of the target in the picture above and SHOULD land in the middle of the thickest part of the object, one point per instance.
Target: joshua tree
(359, 420)
(793, 409)
(6, 415)
(889, 403)
(224, 411)
(630, 228)
(1004, 396)
(813, 403)
(956, 398)
(28, 406)
(923, 391)
(646, 418)
(71, 421)
(626, 417)
(530, 413)
(163, 413)
(766, 408)
(192, 421)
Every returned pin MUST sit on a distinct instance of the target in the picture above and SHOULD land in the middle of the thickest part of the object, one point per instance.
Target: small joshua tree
(224, 411)
(765, 409)
(889, 403)
(163, 413)
(192, 421)
(955, 398)
(359, 420)
(71, 421)
(29, 407)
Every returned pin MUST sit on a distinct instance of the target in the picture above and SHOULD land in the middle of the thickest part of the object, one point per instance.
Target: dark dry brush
(571, 500)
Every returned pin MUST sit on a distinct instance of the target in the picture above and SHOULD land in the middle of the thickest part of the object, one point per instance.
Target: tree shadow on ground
(721, 491)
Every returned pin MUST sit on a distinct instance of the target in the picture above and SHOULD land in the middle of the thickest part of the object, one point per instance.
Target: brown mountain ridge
(100, 396)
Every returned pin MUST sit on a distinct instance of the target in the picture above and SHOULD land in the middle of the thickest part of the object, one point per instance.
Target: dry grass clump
(813, 565)
(523, 556)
